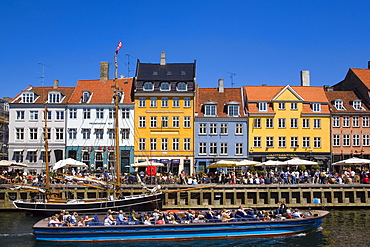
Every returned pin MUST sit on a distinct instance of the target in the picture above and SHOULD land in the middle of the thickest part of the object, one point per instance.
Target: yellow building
(164, 115)
(287, 122)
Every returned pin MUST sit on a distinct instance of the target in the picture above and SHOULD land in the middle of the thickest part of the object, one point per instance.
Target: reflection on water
(340, 228)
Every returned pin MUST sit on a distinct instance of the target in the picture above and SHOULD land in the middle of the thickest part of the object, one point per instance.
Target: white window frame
(269, 141)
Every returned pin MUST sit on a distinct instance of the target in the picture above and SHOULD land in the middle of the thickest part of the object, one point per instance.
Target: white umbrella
(298, 161)
(147, 163)
(247, 163)
(223, 163)
(352, 161)
(272, 163)
(68, 163)
(7, 163)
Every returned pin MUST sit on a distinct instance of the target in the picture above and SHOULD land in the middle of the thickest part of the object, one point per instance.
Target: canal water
(349, 227)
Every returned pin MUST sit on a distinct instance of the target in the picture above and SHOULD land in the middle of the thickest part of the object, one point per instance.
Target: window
(148, 86)
(356, 104)
(181, 86)
(223, 150)
(294, 123)
(294, 142)
(142, 122)
(85, 96)
(32, 156)
(238, 148)
(316, 107)
(346, 140)
(336, 140)
(257, 123)
(153, 102)
(281, 122)
(365, 121)
(153, 144)
(356, 140)
(338, 104)
(165, 102)
(238, 129)
(213, 129)
(33, 134)
(202, 129)
(317, 123)
(175, 102)
(202, 148)
(54, 97)
(27, 97)
(142, 102)
(48, 115)
(125, 134)
(281, 106)
(111, 113)
(224, 129)
(86, 113)
(345, 121)
(336, 121)
(282, 142)
(186, 144)
(257, 142)
(355, 121)
(48, 134)
(153, 122)
(19, 115)
(187, 102)
(19, 133)
(213, 148)
(72, 134)
(306, 142)
(365, 140)
(73, 113)
(210, 110)
(111, 134)
(86, 134)
(142, 144)
(233, 110)
(269, 141)
(269, 123)
(99, 133)
(186, 122)
(175, 122)
(18, 156)
(317, 142)
(306, 123)
(262, 106)
(293, 106)
(164, 122)
(165, 86)
(59, 115)
(175, 144)
(59, 134)
(164, 143)
(125, 113)
(34, 115)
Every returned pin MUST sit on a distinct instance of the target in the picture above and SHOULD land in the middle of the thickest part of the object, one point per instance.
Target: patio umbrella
(352, 161)
(7, 163)
(223, 163)
(298, 161)
(68, 163)
(247, 163)
(272, 163)
(147, 163)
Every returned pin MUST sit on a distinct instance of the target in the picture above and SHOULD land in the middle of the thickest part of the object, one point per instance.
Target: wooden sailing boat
(47, 205)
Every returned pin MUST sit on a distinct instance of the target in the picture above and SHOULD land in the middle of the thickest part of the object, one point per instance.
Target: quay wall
(220, 196)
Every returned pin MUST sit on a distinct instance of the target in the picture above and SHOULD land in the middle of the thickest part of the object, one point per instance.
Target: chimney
(221, 85)
(163, 58)
(305, 78)
(56, 84)
(104, 71)
(368, 64)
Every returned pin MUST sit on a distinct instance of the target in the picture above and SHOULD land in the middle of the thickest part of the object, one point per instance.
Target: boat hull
(136, 202)
(170, 232)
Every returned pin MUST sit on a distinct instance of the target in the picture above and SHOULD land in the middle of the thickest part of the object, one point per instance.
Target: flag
(119, 46)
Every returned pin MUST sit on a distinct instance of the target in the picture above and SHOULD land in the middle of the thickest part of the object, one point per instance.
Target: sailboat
(46, 205)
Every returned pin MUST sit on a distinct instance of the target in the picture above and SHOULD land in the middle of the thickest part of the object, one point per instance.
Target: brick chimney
(56, 84)
(163, 58)
(221, 85)
(368, 64)
(104, 71)
(305, 78)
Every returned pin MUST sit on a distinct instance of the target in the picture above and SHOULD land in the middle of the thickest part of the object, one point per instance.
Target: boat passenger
(86, 220)
(147, 220)
(296, 213)
(171, 218)
(120, 217)
(225, 215)
(160, 220)
(132, 216)
(74, 218)
(241, 212)
(156, 214)
(109, 220)
(54, 221)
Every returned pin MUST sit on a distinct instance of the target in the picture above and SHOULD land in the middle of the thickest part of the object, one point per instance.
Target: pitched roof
(363, 75)
(167, 72)
(347, 98)
(42, 92)
(230, 95)
(102, 91)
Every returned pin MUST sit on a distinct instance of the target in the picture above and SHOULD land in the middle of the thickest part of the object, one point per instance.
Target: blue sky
(262, 42)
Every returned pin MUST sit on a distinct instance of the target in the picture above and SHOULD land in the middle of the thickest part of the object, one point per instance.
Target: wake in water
(15, 234)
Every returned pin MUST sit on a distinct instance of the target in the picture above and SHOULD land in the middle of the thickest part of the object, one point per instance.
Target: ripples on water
(345, 228)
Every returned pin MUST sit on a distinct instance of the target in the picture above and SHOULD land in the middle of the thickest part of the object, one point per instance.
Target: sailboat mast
(46, 145)
(116, 127)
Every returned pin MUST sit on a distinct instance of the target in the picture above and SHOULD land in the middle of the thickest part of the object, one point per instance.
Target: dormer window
(169, 73)
(356, 104)
(316, 107)
(85, 96)
(155, 73)
(338, 104)
(210, 109)
(148, 86)
(262, 106)
(54, 97)
(28, 97)
(233, 109)
(165, 86)
(181, 86)
(182, 72)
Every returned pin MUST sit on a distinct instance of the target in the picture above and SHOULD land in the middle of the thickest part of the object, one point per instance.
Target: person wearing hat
(132, 216)
(120, 218)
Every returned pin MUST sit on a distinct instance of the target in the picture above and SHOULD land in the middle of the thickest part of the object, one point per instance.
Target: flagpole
(116, 110)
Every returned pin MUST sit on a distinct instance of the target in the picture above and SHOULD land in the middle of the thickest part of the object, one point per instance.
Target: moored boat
(186, 229)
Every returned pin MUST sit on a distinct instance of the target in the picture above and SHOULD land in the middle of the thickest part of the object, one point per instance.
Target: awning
(18, 150)
(164, 161)
(153, 160)
(175, 161)
(31, 150)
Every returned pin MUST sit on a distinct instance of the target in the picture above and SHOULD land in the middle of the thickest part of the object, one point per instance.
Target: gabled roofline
(288, 87)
